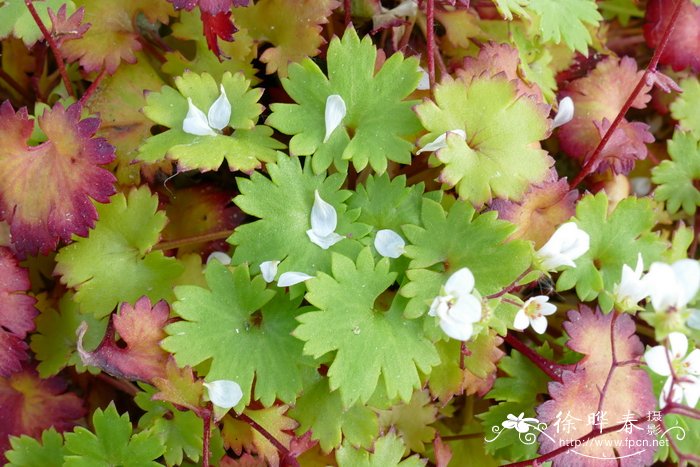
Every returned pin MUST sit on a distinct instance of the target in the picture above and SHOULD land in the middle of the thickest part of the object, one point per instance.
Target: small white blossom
(287, 279)
(565, 112)
(533, 314)
(389, 244)
(268, 269)
(220, 256)
(324, 220)
(441, 141)
(334, 114)
(520, 423)
(197, 123)
(673, 285)
(632, 288)
(566, 244)
(686, 370)
(458, 308)
(224, 393)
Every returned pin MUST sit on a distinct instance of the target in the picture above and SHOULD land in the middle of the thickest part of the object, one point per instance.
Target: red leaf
(31, 405)
(46, 189)
(216, 26)
(628, 390)
(141, 328)
(67, 28)
(683, 48)
(17, 313)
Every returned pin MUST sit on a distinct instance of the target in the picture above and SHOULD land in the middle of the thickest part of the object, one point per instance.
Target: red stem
(550, 368)
(514, 285)
(54, 47)
(566, 447)
(206, 438)
(284, 452)
(592, 162)
(430, 38)
(347, 6)
(93, 86)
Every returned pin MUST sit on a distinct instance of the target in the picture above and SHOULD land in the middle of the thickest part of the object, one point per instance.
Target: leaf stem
(284, 452)
(207, 237)
(54, 47)
(93, 86)
(550, 368)
(430, 39)
(592, 162)
(511, 287)
(206, 438)
(347, 7)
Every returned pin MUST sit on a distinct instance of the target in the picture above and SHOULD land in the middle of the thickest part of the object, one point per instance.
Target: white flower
(533, 313)
(324, 220)
(220, 256)
(458, 309)
(389, 244)
(290, 278)
(566, 244)
(441, 141)
(565, 112)
(224, 393)
(520, 423)
(197, 123)
(673, 286)
(424, 83)
(686, 370)
(268, 269)
(334, 114)
(632, 288)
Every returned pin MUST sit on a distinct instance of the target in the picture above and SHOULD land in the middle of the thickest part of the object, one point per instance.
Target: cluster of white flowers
(683, 371)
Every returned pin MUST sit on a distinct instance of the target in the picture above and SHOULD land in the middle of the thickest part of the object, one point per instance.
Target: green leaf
(623, 10)
(16, 19)
(454, 240)
(566, 20)
(113, 264)
(522, 380)
(507, 8)
(685, 107)
(112, 443)
(29, 452)
(501, 156)
(412, 421)
(616, 239)
(321, 411)
(371, 339)
(387, 452)
(179, 431)
(283, 204)
(378, 119)
(244, 149)
(223, 324)
(676, 177)
(55, 341)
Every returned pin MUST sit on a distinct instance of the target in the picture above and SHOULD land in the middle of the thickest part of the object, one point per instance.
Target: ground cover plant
(354, 233)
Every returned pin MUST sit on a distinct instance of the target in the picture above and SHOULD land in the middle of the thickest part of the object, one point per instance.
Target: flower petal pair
(198, 123)
(567, 244)
(324, 221)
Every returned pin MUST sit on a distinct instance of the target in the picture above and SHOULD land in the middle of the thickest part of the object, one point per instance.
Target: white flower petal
(460, 283)
(657, 360)
(691, 391)
(424, 83)
(220, 256)
(441, 141)
(539, 324)
(548, 309)
(324, 219)
(694, 320)
(567, 244)
(334, 114)
(438, 306)
(692, 361)
(224, 393)
(521, 321)
(641, 186)
(195, 122)
(290, 278)
(565, 113)
(459, 330)
(662, 285)
(679, 345)
(325, 241)
(268, 269)
(220, 111)
(466, 308)
(389, 244)
(687, 272)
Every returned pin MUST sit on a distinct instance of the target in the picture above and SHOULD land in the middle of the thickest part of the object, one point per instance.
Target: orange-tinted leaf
(113, 36)
(628, 393)
(17, 313)
(46, 189)
(30, 405)
(240, 436)
(179, 386)
(141, 329)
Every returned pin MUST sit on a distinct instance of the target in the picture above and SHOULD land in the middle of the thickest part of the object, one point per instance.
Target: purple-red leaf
(46, 190)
